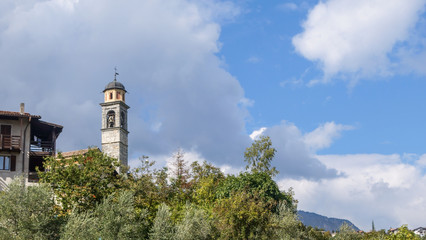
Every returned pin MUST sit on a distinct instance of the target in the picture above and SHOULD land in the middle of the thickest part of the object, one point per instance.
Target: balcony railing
(41, 146)
(9, 142)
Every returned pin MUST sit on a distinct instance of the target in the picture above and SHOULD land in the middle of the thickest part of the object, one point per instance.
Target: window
(4, 162)
(5, 136)
(123, 119)
(110, 119)
(110, 95)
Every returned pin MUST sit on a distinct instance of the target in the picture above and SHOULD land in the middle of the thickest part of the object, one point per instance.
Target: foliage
(258, 183)
(149, 186)
(28, 212)
(162, 228)
(94, 201)
(113, 218)
(242, 216)
(346, 232)
(285, 224)
(205, 181)
(206, 170)
(82, 181)
(259, 156)
(403, 233)
(180, 177)
(195, 225)
(375, 235)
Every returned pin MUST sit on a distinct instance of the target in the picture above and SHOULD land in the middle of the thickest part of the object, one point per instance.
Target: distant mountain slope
(322, 222)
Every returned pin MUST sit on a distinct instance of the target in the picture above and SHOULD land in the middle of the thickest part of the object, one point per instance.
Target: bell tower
(114, 121)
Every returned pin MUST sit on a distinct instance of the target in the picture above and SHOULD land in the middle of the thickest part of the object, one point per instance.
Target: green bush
(28, 212)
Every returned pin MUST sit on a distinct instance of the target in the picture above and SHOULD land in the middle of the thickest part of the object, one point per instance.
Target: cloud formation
(296, 151)
(57, 56)
(373, 187)
(323, 136)
(356, 37)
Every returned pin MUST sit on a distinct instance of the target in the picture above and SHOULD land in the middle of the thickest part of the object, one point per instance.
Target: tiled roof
(17, 114)
(76, 153)
(51, 124)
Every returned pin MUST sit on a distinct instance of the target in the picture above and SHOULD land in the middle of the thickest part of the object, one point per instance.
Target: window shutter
(13, 163)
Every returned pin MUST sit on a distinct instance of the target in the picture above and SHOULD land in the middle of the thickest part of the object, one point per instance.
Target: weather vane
(115, 74)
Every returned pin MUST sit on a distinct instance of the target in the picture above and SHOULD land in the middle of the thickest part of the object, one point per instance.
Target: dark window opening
(110, 119)
(123, 119)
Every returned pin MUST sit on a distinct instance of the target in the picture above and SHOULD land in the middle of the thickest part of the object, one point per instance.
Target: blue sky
(258, 50)
(337, 85)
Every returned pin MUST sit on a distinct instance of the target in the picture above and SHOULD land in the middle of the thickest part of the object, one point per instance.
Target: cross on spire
(115, 74)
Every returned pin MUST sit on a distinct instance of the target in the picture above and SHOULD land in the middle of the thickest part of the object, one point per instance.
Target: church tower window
(111, 119)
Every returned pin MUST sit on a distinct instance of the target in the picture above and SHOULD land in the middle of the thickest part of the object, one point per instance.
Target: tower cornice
(105, 104)
(114, 129)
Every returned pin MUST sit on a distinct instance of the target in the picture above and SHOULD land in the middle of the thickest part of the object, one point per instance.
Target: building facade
(24, 142)
(114, 122)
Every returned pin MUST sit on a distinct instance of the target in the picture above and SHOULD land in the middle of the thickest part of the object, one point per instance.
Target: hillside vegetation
(84, 197)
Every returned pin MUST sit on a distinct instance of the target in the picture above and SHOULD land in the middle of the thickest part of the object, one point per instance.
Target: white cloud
(356, 37)
(374, 187)
(256, 133)
(59, 55)
(253, 59)
(295, 155)
(422, 160)
(324, 135)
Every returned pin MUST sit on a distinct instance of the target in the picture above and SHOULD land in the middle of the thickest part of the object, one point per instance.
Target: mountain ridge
(323, 222)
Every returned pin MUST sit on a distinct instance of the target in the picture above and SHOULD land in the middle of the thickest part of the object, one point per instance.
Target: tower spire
(115, 74)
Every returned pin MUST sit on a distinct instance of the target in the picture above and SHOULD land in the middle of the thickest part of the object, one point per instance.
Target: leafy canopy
(259, 156)
(82, 181)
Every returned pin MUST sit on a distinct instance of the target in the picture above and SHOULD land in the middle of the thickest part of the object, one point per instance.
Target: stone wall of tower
(117, 107)
(116, 150)
(115, 138)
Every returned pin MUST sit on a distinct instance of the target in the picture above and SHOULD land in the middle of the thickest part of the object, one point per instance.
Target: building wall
(6, 176)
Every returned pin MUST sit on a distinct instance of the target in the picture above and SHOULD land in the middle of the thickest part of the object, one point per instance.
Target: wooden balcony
(41, 148)
(9, 142)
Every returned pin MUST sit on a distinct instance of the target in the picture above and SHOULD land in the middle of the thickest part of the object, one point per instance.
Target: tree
(195, 224)
(181, 188)
(114, 218)
(346, 232)
(403, 233)
(181, 176)
(162, 228)
(259, 156)
(28, 212)
(205, 181)
(149, 186)
(259, 183)
(285, 224)
(82, 181)
(242, 216)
